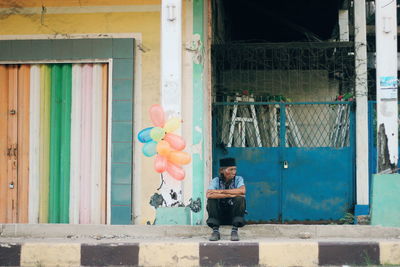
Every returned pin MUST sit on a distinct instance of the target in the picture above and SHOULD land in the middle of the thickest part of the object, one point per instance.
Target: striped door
(60, 132)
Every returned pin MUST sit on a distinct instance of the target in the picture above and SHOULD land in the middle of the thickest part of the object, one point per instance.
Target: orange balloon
(163, 148)
(179, 157)
(175, 141)
(157, 115)
(175, 171)
(160, 164)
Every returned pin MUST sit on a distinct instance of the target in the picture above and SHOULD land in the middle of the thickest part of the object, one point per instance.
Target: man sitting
(226, 202)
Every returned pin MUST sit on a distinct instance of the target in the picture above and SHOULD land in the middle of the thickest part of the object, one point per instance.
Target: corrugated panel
(23, 143)
(44, 142)
(65, 146)
(75, 143)
(12, 127)
(86, 151)
(60, 143)
(3, 142)
(96, 144)
(34, 155)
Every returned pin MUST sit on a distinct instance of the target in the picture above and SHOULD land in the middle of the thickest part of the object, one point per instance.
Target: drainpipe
(386, 85)
(361, 90)
(171, 79)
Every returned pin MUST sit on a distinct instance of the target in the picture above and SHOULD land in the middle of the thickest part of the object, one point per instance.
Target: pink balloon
(179, 157)
(175, 171)
(176, 142)
(157, 115)
(160, 164)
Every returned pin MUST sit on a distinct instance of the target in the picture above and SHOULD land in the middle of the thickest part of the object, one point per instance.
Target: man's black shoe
(215, 236)
(234, 236)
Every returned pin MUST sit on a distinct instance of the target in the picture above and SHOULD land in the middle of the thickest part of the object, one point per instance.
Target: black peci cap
(227, 162)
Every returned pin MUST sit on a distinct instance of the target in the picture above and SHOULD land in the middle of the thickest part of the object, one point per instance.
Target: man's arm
(237, 192)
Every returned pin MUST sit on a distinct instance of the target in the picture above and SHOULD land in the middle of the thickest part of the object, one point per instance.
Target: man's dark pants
(226, 211)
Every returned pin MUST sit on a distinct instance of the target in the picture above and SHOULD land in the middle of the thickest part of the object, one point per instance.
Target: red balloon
(176, 142)
(175, 171)
(157, 115)
(160, 164)
(179, 157)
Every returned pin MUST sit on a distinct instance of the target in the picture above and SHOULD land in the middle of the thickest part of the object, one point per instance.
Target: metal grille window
(258, 124)
(299, 71)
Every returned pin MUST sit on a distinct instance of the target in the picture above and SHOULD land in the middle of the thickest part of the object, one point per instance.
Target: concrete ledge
(187, 231)
(287, 253)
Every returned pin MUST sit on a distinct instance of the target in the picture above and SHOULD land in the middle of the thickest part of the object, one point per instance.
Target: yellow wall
(52, 21)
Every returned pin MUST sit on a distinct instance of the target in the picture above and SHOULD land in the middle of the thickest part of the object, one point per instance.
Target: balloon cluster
(162, 142)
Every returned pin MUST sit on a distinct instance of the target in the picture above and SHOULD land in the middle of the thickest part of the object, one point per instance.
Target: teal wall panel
(121, 194)
(123, 48)
(5, 50)
(22, 49)
(122, 131)
(82, 49)
(122, 89)
(121, 173)
(61, 49)
(102, 48)
(121, 152)
(385, 203)
(123, 68)
(119, 214)
(122, 109)
(41, 49)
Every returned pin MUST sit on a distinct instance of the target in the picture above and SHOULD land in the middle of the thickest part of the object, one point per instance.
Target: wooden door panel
(3, 143)
(12, 140)
(23, 143)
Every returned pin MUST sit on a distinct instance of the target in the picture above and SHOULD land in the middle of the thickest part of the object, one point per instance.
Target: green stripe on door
(65, 142)
(60, 121)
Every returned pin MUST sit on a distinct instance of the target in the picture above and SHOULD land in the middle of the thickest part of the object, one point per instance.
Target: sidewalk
(136, 245)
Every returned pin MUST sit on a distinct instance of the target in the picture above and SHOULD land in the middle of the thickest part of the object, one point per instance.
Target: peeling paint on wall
(309, 202)
(195, 206)
(196, 47)
(384, 165)
(156, 200)
(198, 148)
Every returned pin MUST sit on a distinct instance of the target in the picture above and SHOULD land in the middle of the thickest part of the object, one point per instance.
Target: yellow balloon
(157, 133)
(172, 124)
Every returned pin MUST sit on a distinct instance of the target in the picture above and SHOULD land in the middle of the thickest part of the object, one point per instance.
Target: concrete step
(187, 231)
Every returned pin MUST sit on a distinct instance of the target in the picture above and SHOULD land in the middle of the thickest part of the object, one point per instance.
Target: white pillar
(171, 76)
(360, 44)
(386, 83)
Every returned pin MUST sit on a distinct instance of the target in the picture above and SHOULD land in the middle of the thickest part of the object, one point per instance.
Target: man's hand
(225, 193)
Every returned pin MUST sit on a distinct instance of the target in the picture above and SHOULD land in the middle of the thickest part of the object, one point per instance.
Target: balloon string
(162, 182)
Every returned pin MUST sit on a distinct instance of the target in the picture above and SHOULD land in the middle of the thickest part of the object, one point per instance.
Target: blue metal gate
(303, 172)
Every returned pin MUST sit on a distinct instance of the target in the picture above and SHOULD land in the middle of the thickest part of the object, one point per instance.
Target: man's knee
(212, 203)
(239, 201)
